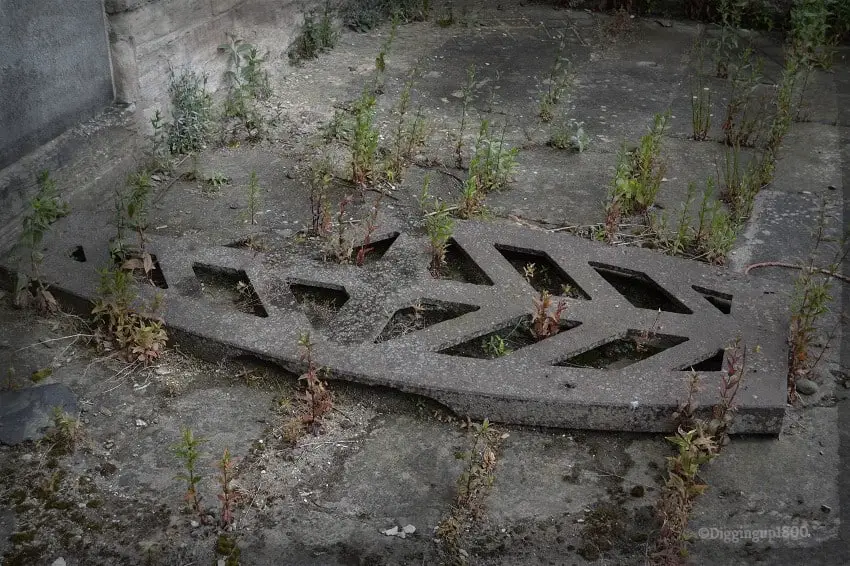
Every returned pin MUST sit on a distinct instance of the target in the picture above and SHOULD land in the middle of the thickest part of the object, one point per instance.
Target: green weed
(439, 226)
(45, 208)
(187, 451)
(191, 124)
(255, 198)
(558, 84)
(364, 141)
(466, 99)
(315, 37)
(639, 172)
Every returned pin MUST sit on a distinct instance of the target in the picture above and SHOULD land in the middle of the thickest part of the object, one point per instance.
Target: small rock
(806, 386)
(638, 491)
(58, 562)
(194, 524)
(825, 508)
(409, 529)
(391, 532)
(847, 385)
(141, 423)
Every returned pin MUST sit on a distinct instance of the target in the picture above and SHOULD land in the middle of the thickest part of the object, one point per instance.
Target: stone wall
(54, 70)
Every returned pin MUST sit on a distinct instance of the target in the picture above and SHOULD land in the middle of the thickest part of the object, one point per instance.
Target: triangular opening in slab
(639, 289)
(421, 315)
(711, 363)
(375, 250)
(155, 276)
(320, 302)
(459, 266)
(624, 351)
(721, 301)
(229, 287)
(77, 253)
(512, 336)
(541, 272)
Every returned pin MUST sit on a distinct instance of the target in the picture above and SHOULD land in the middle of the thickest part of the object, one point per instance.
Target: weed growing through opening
(558, 84)
(496, 347)
(439, 227)
(473, 485)
(191, 123)
(369, 231)
(318, 400)
(187, 451)
(320, 181)
(809, 304)
(639, 172)
(569, 133)
(364, 142)
(697, 443)
(546, 321)
(138, 336)
(228, 495)
(337, 245)
(45, 208)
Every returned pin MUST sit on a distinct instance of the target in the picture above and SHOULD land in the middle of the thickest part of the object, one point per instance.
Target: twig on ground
(795, 266)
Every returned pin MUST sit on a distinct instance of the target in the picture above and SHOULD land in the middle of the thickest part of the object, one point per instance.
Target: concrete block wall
(54, 70)
(150, 38)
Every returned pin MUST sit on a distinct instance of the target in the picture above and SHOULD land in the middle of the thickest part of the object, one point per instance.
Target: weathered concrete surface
(567, 475)
(525, 387)
(55, 71)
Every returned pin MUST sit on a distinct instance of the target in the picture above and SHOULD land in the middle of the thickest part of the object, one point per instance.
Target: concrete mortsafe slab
(619, 363)
(25, 414)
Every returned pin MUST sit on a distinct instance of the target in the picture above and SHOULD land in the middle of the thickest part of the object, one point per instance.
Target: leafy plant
(381, 58)
(496, 347)
(191, 123)
(558, 83)
(640, 171)
(139, 337)
(338, 245)
(248, 86)
(364, 142)
(701, 111)
(45, 208)
(187, 451)
(318, 400)
(228, 495)
(408, 134)
(65, 433)
(492, 163)
(545, 321)
(747, 115)
(811, 37)
(697, 442)
(741, 183)
(570, 135)
(439, 226)
(160, 152)
(320, 181)
(314, 37)
(369, 231)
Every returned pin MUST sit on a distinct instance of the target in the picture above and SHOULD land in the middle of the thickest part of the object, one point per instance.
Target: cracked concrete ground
(386, 459)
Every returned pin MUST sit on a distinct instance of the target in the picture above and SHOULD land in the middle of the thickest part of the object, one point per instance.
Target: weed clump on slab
(44, 209)
(639, 171)
(439, 227)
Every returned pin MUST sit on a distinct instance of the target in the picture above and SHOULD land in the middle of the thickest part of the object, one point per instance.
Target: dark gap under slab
(541, 272)
(624, 351)
(639, 289)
